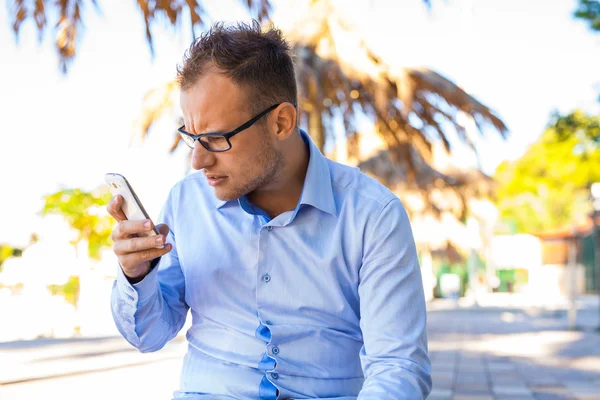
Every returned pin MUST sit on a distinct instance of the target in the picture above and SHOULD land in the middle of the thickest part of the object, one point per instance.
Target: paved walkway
(490, 353)
(484, 353)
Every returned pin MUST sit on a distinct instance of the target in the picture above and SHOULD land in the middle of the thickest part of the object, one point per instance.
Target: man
(301, 274)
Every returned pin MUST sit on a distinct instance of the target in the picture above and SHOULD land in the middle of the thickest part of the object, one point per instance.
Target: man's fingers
(114, 208)
(127, 228)
(123, 247)
(133, 259)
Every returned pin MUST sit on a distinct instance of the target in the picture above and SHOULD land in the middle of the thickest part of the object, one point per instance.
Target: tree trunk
(315, 128)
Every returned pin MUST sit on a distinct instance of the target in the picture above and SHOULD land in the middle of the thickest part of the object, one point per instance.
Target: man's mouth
(215, 180)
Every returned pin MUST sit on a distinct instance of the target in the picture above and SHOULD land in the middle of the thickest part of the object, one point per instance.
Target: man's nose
(201, 158)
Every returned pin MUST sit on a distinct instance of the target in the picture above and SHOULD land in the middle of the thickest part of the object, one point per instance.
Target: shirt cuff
(138, 292)
(147, 287)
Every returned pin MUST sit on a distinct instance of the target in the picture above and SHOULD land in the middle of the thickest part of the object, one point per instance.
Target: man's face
(217, 104)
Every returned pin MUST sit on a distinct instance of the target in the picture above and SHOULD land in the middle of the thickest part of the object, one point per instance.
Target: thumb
(163, 229)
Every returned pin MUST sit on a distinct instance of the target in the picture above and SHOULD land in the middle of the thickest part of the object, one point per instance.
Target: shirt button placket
(265, 277)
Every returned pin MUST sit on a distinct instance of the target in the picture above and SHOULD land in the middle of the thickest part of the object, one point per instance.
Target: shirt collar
(317, 190)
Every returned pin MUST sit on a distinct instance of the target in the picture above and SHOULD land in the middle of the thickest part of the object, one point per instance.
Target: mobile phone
(132, 206)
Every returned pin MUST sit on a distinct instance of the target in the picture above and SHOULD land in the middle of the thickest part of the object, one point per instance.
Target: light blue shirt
(325, 301)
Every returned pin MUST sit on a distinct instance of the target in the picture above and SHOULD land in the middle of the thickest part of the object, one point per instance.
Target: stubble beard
(270, 164)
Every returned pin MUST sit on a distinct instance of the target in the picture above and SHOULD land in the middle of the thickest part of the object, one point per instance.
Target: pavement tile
(552, 396)
(462, 388)
(471, 370)
(508, 383)
(499, 367)
(555, 389)
(575, 376)
(440, 394)
(585, 392)
(551, 392)
(443, 367)
(472, 361)
(443, 385)
(500, 391)
(586, 396)
(478, 377)
(505, 374)
(447, 357)
(541, 380)
(507, 378)
(443, 375)
(443, 378)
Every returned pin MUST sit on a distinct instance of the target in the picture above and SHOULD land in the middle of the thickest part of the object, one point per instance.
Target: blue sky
(521, 58)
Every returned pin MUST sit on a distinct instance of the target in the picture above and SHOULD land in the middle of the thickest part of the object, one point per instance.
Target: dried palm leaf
(155, 104)
(447, 191)
(411, 108)
(69, 23)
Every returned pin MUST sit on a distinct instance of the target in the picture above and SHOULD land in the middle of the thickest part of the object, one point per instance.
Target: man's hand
(134, 252)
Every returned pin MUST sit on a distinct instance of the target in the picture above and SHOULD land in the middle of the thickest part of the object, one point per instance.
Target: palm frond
(156, 103)
(411, 108)
(173, 11)
(68, 28)
(441, 191)
(407, 105)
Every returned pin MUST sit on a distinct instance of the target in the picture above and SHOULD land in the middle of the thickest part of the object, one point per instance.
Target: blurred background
(482, 116)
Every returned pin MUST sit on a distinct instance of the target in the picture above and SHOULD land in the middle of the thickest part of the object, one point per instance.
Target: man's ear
(286, 120)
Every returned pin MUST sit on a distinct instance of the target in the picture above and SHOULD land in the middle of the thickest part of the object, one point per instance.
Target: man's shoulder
(350, 182)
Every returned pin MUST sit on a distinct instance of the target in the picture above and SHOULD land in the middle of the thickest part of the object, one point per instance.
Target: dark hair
(257, 60)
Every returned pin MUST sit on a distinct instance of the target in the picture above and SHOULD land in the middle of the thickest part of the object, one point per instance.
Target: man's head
(228, 76)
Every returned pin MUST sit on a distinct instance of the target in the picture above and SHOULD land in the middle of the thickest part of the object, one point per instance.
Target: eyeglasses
(219, 142)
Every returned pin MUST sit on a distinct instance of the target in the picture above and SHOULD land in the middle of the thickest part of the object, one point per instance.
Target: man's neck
(285, 195)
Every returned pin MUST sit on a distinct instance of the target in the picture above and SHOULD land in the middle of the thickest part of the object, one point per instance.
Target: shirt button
(275, 375)
(266, 277)
(275, 350)
(269, 228)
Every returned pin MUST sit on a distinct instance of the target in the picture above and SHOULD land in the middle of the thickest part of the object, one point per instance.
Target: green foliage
(83, 211)
(69, 290)
(7, 251)
(548, 186)
(589, 10)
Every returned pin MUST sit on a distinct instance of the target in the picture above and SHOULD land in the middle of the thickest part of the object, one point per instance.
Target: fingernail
(159, 240)
(147, 225)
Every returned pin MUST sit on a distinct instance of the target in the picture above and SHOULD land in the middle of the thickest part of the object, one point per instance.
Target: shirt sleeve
(394, 356)
(151, 312)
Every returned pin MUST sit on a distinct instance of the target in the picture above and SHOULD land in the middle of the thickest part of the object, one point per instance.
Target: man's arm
(393, 321)
(152, 311)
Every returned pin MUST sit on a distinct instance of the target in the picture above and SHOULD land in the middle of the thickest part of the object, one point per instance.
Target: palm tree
(338, 72)
(411, 108)
(69, 19)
